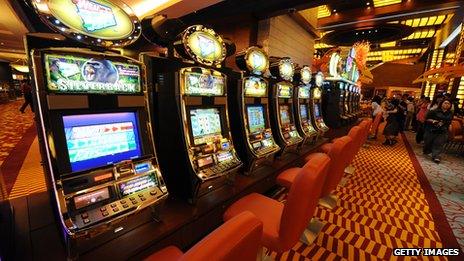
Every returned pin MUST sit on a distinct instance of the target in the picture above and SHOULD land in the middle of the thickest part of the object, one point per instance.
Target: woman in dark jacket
(436, 129)
(392, 127)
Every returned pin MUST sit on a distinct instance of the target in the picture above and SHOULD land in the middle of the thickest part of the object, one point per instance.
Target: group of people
(428, 119)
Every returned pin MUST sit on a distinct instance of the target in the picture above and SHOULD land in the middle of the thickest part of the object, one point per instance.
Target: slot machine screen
(255, 87)
(96, 140)
(303, 92)
(285, 90)
(255, 118)
(284, 114)
(204, 84)
(317, 113)
(205, 125)
(303, 111)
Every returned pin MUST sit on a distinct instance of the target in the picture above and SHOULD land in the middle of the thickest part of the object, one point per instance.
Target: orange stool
(334, 176)
(284, 224)
(237, 239)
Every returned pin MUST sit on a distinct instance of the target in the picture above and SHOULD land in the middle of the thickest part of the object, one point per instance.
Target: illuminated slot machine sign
(203, 121)
(282, 105)
(252, 114)
(316, 96)
(301, 103)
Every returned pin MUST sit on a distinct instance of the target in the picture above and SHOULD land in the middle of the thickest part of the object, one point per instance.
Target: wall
(5, 72)
(396, 74)
(281, 36)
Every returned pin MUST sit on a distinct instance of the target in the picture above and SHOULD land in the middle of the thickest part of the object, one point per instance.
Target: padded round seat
(237, 239)
(283, 224)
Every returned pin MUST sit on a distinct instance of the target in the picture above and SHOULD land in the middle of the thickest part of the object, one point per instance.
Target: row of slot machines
(100, 116)
(340, 102)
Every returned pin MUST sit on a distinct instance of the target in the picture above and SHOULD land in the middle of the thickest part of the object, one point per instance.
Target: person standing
(409, 112)
(420, 117)
(27, 92)
(376, 106)
(402, 108)
(436, 129)
(392, 127)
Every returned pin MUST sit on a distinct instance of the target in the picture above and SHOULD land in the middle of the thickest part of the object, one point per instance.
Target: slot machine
(316, 103)
(302, 106)
(281, 105)
(93, 125)
(189, 97)
(343, 102)
(249, 111)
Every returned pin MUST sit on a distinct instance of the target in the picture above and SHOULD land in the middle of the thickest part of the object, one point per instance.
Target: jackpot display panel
(281, 106)
(93, 120)
(249, 111)
(316, 103)
(301, 106)
(191, 114)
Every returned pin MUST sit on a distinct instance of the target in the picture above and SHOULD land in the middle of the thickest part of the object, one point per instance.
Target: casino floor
(231, 130)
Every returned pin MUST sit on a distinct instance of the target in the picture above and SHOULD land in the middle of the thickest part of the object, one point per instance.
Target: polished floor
(397, 198)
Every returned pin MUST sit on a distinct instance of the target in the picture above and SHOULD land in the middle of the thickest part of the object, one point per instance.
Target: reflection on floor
(381, 207)
(447, 180)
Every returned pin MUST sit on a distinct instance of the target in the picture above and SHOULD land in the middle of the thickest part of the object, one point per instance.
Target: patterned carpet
(381, 207)
(447, 180)
(17, 132)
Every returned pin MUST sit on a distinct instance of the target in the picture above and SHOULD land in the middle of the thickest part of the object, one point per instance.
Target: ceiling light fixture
(451, 37)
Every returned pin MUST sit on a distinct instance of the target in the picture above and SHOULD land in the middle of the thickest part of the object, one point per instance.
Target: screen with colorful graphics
(303, 111)
(303, 92)
(284, 90)
(257, 60)
(68, 73)
(284, 115)
(204, 84)
(96, 140)
(205, 125)
(255, 118)
(255, 87)
(96, 18)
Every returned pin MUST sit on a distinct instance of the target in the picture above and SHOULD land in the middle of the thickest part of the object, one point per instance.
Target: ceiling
(12, 27)
(426, 18)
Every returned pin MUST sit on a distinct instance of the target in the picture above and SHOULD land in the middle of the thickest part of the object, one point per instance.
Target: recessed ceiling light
(368, 3)
(335, 10)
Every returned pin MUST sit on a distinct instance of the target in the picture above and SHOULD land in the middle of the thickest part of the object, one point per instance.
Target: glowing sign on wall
(96, 22)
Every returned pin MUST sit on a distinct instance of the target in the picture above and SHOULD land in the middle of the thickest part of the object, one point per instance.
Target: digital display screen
(256, 145)
(303, 111)
(96, 140)
(204, 84)
(205, 161)
(267, 143)
(142, 167)
(137, 184)
(255, 87)
(255, 118)
(78, 74)
(225, 156)
(284, 90)
(91, 198)
(205, 125)
(303, 92)
(284, 115)
(316, 111)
